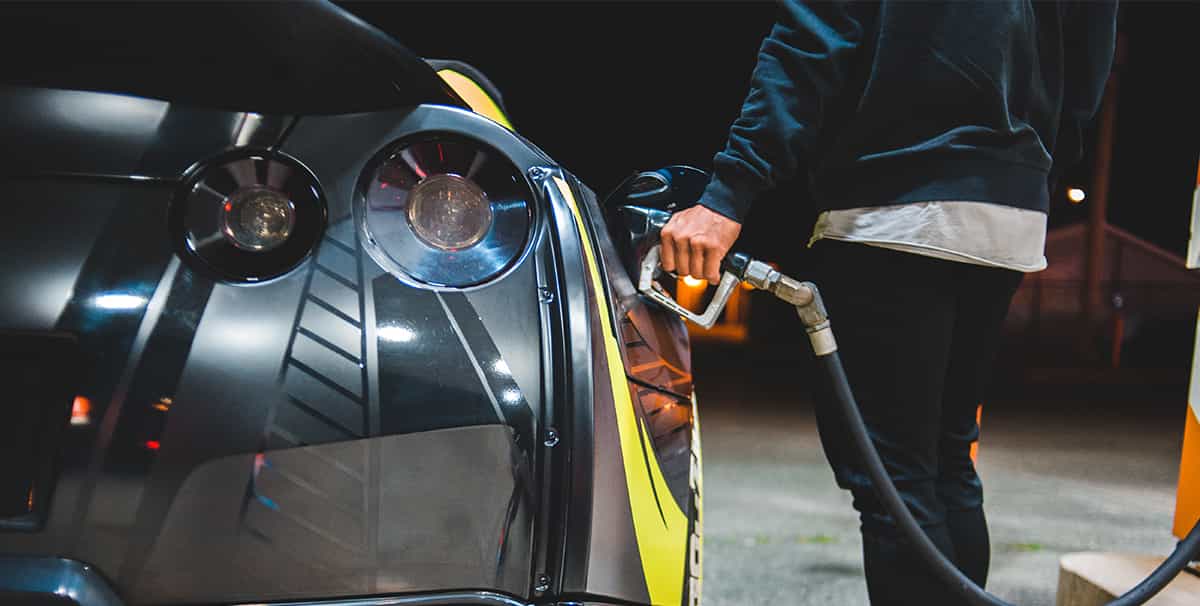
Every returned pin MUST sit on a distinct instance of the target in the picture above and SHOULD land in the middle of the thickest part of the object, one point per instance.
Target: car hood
(269, 57)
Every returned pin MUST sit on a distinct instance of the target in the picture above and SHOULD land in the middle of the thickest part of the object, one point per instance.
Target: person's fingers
(682, 256)
(712, 264)
(698, 252)
(667, 254)
(695, 241)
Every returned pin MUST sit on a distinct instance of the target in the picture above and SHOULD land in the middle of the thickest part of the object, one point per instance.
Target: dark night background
(609, 88)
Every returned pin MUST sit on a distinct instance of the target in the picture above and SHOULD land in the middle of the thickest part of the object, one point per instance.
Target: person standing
(931, 135)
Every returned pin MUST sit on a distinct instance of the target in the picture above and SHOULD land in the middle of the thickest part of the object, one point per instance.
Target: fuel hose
(1187, 550)
(807, 300)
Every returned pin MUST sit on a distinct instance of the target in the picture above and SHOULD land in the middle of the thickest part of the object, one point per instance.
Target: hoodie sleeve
(1089, 43)
(802, 64)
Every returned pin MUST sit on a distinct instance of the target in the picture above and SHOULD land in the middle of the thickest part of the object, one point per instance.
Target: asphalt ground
(1079, 469)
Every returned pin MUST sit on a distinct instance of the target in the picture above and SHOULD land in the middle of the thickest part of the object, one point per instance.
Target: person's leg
(892, 315)
(983, 299)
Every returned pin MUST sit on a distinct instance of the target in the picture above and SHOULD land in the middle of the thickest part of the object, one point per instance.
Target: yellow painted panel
(480, 102)
(662, 538)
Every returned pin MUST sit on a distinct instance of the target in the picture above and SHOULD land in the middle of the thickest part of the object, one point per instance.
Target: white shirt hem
(932, 251)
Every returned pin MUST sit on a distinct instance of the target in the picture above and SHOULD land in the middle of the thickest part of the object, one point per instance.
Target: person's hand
(695, 240)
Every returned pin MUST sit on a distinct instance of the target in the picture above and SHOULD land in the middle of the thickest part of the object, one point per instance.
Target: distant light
(80, 411)
(694, 282)
(163, 404)
(153, 445)
(397, 333)
(1076, 195)
(118, 301)
(512, 396)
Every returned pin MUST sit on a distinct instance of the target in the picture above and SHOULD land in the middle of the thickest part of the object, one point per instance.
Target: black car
(290, 314)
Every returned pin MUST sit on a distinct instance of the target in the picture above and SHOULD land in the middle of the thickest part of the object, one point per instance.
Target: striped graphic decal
(323, 377)
(324, 372)
(659, 523)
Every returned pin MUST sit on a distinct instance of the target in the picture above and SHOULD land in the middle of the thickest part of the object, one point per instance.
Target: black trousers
(918, 337)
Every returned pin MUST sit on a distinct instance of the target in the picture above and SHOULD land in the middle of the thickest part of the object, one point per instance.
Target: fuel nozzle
(803, 295)
(649, 286)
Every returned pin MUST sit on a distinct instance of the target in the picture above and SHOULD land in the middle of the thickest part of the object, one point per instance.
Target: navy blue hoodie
(899, 101)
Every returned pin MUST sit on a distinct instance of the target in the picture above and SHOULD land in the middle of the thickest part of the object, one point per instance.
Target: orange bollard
(975, 444)
(1187, 500)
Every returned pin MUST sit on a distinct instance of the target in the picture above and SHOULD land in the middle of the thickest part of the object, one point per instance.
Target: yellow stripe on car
(470, 91)
(662, 539)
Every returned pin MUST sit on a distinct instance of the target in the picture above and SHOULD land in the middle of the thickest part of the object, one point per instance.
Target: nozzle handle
(649, 287)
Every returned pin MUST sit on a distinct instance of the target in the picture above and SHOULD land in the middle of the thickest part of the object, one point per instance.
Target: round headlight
(444, 210)
(247, 216)
(449, 212)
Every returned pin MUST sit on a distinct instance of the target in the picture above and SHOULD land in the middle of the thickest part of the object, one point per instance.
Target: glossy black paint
(570, 476)
(85, 253)
(75, 583)
(424, 363)
(92, 135)
(671, 188)
(38, 371)
(307, 57)
(186, 373)
(337, 431)
(422, 333)
(66, 579)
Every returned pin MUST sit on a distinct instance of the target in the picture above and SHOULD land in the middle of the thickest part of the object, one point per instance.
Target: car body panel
(300, 58)
(661, 529)
(391, 514)
(337, 431)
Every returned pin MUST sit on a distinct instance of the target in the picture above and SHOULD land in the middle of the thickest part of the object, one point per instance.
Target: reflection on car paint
(339, 431)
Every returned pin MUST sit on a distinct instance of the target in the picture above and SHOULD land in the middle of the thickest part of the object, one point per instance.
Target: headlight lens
(257, 218)
(449, 212)
(444, 210)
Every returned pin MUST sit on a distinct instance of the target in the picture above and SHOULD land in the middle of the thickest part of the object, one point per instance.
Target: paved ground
(1061, 476)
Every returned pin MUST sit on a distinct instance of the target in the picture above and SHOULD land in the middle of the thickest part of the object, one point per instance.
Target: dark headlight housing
(445, 210)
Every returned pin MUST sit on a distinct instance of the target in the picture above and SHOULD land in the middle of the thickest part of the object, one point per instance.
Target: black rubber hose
(1187, 550)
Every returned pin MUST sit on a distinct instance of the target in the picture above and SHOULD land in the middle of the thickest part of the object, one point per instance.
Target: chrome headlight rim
(405, 254)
